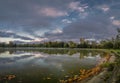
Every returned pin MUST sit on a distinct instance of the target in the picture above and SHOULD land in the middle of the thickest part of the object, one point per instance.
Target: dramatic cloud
(97, 27)
(13, 35)
(59, 19)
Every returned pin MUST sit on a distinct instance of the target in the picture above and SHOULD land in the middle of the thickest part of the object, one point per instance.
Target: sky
(58, 20)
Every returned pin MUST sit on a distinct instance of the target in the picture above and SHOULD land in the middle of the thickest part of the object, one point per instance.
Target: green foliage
(108, 65)
(113, 43)
(107, 44)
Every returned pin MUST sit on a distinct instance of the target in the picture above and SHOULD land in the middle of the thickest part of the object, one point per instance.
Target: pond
(44, 65)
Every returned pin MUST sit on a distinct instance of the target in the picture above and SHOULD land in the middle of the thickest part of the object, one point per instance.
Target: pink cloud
(74, 5)
(116, 22)
(77, 6)
(52, 12)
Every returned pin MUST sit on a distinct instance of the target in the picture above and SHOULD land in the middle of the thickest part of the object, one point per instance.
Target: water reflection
(46, 63)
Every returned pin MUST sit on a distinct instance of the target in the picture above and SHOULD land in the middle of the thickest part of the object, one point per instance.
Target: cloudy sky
(36, 20)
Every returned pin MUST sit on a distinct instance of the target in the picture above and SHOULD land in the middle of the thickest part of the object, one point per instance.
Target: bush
(108, 65)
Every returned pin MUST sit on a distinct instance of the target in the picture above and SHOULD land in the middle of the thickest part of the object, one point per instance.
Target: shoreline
(101, 77)
(107, 75)
(37, 48)
(95, 75)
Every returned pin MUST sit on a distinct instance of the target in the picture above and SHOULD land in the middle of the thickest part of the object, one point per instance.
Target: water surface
(45, 65)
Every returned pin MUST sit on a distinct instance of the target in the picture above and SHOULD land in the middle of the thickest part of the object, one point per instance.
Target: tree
(72, 44)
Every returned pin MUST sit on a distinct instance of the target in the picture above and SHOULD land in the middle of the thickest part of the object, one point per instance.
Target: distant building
(82, 40)
(90, 41)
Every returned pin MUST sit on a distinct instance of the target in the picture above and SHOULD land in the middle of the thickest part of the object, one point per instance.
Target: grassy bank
(111, 73)
(115, 73)
(107, 71)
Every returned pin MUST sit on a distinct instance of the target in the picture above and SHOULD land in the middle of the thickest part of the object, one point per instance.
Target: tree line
(113, 43)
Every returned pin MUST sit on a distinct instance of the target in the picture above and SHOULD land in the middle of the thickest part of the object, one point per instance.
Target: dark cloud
(41, 16)
(13, 35)
(27, 10)
(97, 26)
(88, 29)
(24, 15)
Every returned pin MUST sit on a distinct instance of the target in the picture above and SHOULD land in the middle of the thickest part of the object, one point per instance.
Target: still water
(45, 65)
